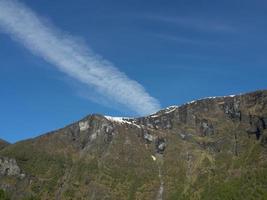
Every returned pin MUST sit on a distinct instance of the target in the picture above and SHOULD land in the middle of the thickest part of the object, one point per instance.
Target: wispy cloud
(73, 58)
(198, 24)
(186, 40)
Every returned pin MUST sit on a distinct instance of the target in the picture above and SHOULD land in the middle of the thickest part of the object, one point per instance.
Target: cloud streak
(73, 58)
(198, 24)
(185, 40)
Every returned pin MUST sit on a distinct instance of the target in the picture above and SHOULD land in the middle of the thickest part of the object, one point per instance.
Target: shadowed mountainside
(214, 147)
(3, 144)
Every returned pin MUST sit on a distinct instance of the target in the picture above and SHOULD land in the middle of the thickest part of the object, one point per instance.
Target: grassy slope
(123, 170)
(225, 165)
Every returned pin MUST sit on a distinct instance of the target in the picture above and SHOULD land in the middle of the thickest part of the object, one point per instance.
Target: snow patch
(167, 110)
(118, 119)
(121, 120)
(170, 109)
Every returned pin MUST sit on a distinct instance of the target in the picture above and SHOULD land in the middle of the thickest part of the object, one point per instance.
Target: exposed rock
(84, 125)
(109, 132)
(160, 120)
(9, 167)
(206, 128)
(89, 129)
(183, 136)
(232, 108)
(257, 125)
(148, 138)
(198, 145)
(160, 145)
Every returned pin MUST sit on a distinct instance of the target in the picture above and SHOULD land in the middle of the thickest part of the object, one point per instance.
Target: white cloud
(73, 58)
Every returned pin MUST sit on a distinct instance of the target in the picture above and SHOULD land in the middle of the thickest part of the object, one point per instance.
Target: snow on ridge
(167, 110)
(170, 109)
(153, 115)
(117, 119)
(121, 120)
(214, 97)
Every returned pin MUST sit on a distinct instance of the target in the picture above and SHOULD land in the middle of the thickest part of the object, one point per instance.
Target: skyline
(154, 56)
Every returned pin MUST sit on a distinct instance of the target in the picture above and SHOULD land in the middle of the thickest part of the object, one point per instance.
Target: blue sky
(176, 50)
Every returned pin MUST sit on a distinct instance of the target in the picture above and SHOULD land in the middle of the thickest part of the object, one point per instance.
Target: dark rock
(205, 127)
(264, 138)
(257, 122)
(214, 147)
(160, 120)
(263, 122)
(232, 108)
(109, 132)
(254, 131)
(257, 125)
(160, 145)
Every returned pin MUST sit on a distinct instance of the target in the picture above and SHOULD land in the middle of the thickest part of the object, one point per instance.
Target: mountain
(213, 148)
(3, 144)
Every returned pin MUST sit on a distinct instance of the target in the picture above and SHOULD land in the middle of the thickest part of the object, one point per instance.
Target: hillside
(214, 148)
(3, 144)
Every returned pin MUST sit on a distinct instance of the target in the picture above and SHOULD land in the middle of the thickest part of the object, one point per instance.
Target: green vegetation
(221, 164)
(3, 195)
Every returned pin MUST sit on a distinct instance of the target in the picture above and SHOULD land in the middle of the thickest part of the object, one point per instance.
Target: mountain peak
(192, 150)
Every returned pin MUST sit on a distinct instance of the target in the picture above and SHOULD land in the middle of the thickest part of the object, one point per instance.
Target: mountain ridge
(130, 119)
(3, 144)
(125, 118)
(181, 152)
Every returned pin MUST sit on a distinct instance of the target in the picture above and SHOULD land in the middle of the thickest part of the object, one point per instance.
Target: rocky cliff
(210, 148)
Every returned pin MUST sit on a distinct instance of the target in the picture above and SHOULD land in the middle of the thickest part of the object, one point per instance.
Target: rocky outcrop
(9, 167)
(196, 148)
(257, 126)
(231, 107)
(160, 145)
(235, 108)
(159, 120)
(81, 135)
(147, 136)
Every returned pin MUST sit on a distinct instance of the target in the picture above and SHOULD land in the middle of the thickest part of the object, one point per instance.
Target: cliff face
(215, 147)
